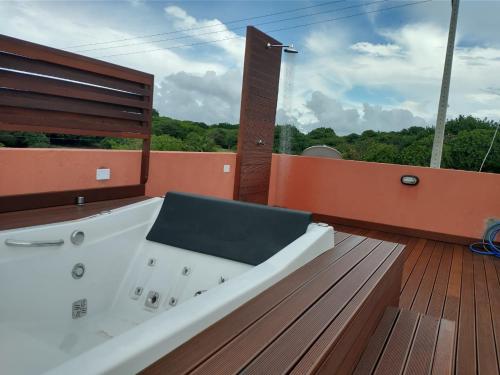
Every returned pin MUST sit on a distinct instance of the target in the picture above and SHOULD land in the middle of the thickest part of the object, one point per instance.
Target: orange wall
(40, 170)
(445, 201)
(193, 172)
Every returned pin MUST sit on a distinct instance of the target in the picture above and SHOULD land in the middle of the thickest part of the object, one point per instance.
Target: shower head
(290, 49)
(286, 49)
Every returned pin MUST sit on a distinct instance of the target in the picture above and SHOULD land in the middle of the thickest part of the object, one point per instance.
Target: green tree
(35, 140)
(199, 142)
(382, 153)
(121, 143)
(468, 149)
(165, 142)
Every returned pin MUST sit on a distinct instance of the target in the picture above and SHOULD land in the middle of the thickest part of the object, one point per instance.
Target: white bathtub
(120, 334)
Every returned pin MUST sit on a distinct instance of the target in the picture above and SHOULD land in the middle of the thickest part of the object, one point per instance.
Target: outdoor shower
(287, 95)
(287, 49)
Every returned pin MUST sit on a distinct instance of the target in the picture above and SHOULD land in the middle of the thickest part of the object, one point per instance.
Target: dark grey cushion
(244, 232)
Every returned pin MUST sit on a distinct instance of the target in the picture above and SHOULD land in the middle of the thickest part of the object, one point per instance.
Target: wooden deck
(448, 281)
(440, 280)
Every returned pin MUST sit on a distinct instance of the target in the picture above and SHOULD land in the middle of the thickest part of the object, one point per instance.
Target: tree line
(467, 140)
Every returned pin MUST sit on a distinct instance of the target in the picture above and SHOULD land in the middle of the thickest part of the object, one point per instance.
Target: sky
(359, 66)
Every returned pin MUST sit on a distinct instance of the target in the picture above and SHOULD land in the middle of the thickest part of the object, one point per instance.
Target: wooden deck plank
(239, 352)
(393, 359)
(452, 301)
(443, 362)
(422, 350)
(413, 283)
(436, 304)
(494, 297)
(423, 296)
(486, 351)
(466, 344)
(416, 246)
(377, 342)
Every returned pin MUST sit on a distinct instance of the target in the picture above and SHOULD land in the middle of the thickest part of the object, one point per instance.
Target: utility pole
(437, 146)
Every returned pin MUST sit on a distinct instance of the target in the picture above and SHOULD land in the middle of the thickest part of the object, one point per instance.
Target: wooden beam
(257, 117)
(10, 203)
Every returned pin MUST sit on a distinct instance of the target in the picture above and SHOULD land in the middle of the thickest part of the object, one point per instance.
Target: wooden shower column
(259, 98)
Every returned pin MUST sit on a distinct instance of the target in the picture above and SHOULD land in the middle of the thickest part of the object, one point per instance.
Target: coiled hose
(487, 246)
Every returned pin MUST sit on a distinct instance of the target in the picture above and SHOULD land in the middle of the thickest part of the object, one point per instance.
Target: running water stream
(287, 103)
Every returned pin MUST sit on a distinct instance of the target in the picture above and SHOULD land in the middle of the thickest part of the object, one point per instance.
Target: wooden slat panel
(21, 202)
(466, 345)
(486, 353)
(438, 296)
(56, 56)
(281, 355)
(413, 283)
(32, 103)
(186, 357)
(21, 99)
(419, 360)
(43, 85)
(393, 359)
(340, 346)
(22, 119)
(423, 295)
(443, 363)
(239, 353)
(377, 342)
(9, 61)
(257, 117)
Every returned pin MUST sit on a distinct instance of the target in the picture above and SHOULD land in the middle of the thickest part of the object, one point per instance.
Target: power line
(209, 26)
(234, 28)
(274, 30)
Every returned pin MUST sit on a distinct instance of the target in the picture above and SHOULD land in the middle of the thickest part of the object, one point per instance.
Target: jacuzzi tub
(117, 302)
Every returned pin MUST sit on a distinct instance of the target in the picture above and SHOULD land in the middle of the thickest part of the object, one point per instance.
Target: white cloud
(56, 26)
(209, 98)
(402, 65)
(208, 31)
(383, 50)
(406, 69)
(329, 112)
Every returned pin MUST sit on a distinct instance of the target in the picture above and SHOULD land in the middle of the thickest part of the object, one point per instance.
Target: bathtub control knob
(77, 237)
(78, 271)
